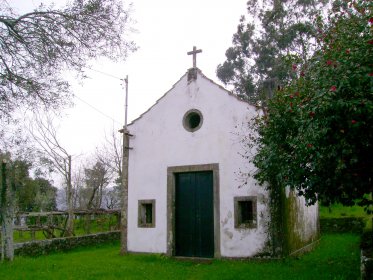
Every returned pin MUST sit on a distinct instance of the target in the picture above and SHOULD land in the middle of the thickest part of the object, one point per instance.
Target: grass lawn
(337, 257)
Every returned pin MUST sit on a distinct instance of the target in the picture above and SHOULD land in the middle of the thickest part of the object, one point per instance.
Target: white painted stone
(160, 141)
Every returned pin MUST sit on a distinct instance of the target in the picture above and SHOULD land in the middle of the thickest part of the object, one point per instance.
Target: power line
(94, 108)
(104, 73)
(97, 110)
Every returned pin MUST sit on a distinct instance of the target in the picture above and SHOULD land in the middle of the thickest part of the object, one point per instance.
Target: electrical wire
(97, 110)
(93, 107)
(104, 73)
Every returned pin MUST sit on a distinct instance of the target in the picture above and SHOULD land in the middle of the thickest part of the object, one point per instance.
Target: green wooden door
(194, 215)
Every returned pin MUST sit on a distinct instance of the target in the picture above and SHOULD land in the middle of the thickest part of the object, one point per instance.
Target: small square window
(146, 214)
(245, 212)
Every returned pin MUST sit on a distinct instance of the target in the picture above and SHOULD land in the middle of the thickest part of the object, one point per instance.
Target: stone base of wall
(336, 225)
(366, 257)
(366, 266)
(44, 247)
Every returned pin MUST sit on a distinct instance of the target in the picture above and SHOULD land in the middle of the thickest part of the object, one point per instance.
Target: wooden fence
(47, 225)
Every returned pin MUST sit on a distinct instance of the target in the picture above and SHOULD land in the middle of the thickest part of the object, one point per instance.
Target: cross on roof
(194, 53)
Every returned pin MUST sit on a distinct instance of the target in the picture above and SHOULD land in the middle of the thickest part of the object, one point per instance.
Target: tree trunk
(100, 197)
(7, 214)
(2, 207)
(92, 197)
(7, 232)
(70, 211)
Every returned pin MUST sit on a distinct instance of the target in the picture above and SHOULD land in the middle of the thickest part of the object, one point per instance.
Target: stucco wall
(160, 141)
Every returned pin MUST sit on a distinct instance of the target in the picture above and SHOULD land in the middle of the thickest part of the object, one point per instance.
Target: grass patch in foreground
(337, 257)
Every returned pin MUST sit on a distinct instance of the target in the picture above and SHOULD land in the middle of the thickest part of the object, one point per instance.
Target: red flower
(353, 121)
(294, 66)
(370, 74)
(302, 74)
(333, 88)
(329, 62)
(371, 20)
(370, 42)
(348, 51)
(309, 145)
(291, 96)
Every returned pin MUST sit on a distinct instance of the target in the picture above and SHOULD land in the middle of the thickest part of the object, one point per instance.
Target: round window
(192, 120)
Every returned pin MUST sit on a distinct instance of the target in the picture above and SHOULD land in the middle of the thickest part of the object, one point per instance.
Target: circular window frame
(186, 120)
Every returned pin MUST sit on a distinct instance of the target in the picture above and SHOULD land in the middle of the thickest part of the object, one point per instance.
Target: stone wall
(44, 247)
(337, 225)
(367, 255)
(301, 224)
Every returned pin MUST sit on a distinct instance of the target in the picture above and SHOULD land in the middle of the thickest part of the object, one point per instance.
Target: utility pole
(124, 197)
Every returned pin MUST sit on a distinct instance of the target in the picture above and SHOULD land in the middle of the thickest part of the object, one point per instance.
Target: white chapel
(186, 169)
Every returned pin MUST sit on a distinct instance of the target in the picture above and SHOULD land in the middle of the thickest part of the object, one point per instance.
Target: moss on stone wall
(276, 231)
(287, 224)
(44, 247)
(293, 240)
(295, 222)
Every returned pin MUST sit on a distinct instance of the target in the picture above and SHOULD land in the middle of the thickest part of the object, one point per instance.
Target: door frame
(171, 185)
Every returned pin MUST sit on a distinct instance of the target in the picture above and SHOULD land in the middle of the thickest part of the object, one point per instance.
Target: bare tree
(111, 153)
(112, 197)
(44, 133)
(77, 186)
(36, 47)
(96, 179)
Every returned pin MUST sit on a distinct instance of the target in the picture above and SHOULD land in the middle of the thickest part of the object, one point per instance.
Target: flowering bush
(318, 134)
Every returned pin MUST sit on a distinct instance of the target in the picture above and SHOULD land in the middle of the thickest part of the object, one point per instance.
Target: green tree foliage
(36, 195)
(274, 32)
(31, 194)
(36, 47)
(318, 135)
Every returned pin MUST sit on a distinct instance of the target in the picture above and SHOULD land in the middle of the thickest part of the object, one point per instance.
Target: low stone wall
(44, 247)
(367, 255)
(366, 266)
(335, 225)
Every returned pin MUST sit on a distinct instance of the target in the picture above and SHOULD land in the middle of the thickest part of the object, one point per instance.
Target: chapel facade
(188, 190)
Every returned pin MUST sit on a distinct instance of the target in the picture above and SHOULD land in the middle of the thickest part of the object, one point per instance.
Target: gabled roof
(199, 72)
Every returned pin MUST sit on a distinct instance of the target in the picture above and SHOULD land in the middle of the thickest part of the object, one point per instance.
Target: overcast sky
(167, 30)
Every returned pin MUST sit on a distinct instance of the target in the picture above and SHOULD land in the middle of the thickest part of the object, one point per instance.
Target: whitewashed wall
(160, 141)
